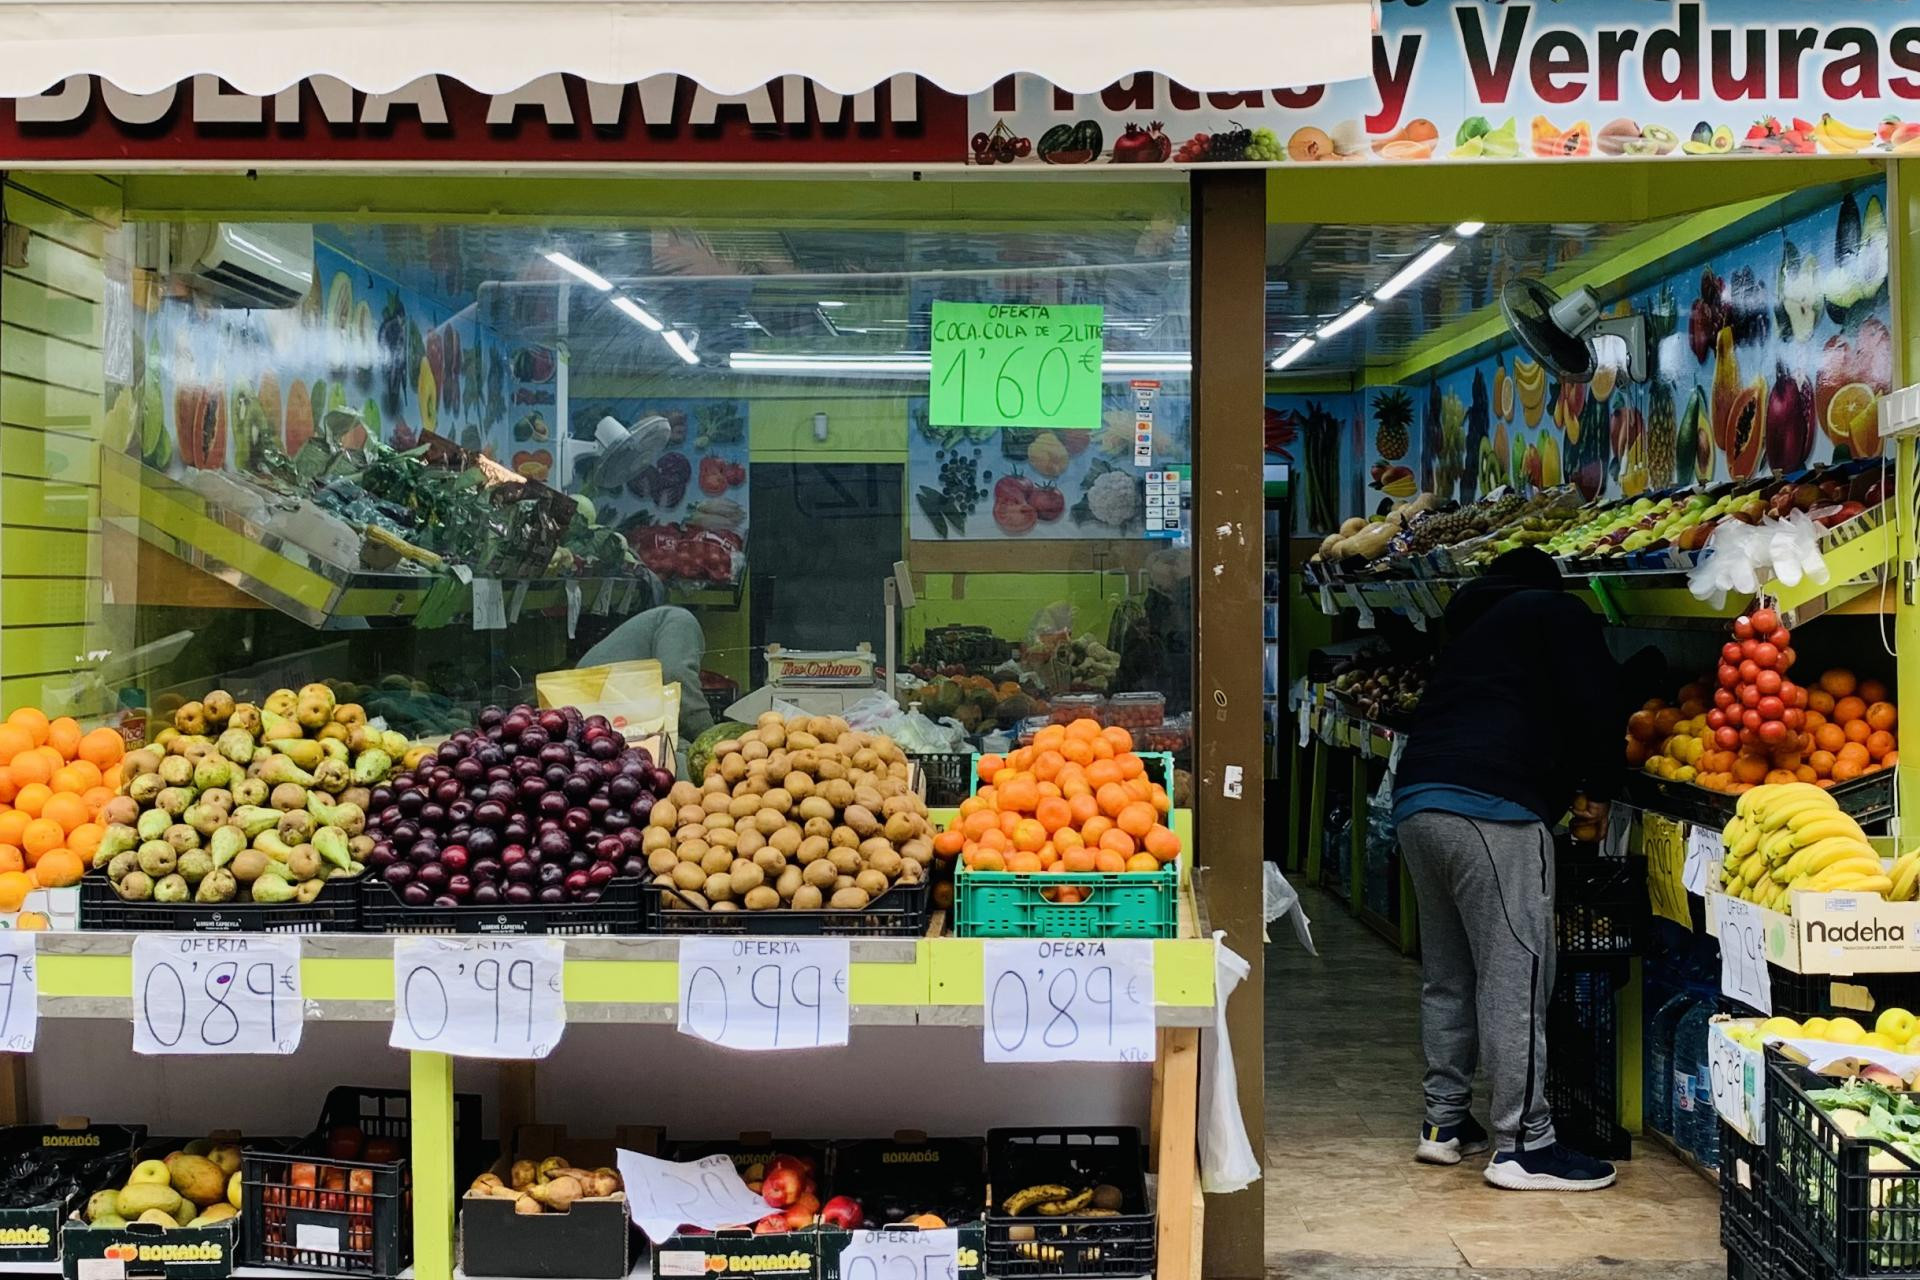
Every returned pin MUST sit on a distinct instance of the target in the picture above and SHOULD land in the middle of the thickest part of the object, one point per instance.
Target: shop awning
(730, 46)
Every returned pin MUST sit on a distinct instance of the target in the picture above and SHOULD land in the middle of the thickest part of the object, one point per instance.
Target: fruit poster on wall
(1332, 440)
(686, 512)
(1769, 356)
(974, 483)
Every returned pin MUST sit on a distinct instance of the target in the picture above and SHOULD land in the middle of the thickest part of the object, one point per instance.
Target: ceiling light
(680, 346)
(918, 363)
(1360, 312)
(573, 268)
(1433, 257)
(1467, 230)
(638, 312)
(1292, 353)
(829, 302)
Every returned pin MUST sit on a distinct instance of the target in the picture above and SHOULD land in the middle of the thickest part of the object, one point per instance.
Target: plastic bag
(629, 694)
(1227, 1159)
(1282, 899)
(874, 713)
(1740, 557)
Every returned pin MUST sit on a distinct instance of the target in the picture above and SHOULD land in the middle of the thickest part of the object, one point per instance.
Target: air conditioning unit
(247, 264)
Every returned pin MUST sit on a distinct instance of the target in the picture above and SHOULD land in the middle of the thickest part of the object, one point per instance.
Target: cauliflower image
(1114, 498)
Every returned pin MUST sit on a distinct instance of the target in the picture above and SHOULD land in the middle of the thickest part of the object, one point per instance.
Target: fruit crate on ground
(336, 909)
(341, 1203)
(1120, 1241)
(1583, 1061)
(1601, 905)
(1855, 1201)
(618, 911)
(900, 912)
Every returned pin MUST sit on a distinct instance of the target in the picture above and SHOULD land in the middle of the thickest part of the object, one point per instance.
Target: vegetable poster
(686, 512)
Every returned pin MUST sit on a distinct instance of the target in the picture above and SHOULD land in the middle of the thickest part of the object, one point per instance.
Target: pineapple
(1392, 415)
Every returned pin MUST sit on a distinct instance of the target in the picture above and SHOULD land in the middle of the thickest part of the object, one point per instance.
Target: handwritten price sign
(479, 998)
(665, 1195)
(19, 992)
(1665, 843)
(1743, 954)
(1738, 1079)
(892, 1254)
(1062, 1001)
(216, 994)
(1001, 365)
(764, 993)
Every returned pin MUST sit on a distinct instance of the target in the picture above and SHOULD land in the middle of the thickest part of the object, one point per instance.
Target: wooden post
(1229, 525)
(1176, 1157)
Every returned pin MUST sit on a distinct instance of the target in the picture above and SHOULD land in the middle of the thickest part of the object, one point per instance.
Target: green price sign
(1004, 365)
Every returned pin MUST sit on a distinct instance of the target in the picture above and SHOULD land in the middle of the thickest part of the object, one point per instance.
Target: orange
(1076, 751)
(31, 922)
(65, 780)
(1780, 776)
(996, 840)
(13, 826)
(29, 767)
(88, 773)
(1839, 682)
(949, 842)
(58, 869)
(1083, 729)
(1120, 739)
(1819, 700)
(1103, 773)
(1067, 838)
(1163, 844)
(1050, 737)
(1881, 715)
(978, 823)
(1889, 760)
(1081, 859)
(1009, 819)
(1109, 861)
(988, 860)
(1028, 835)
(1024, 863)
(1137, 819)
(1872, 690)
(64, 735)
(33, 798)
(1130, 766)
(14, 888)
(990, 764)
(1879, 742)
(111, 778)
(1843, 771)
(1160, 799)
(1143, 862)
(1020, 795)
(1047, 789)
(1082, 807)
(1813, 720)
(1139, 788)
(102, 748)
(1829, 737)
(1749, 769)
(1118, 841)
(13, 740)
(1858, 731)
(7, 790)
(11, 859)
(96, 798)
(41, 835)
(1053, 813)
(85, 838)
(1821, 762)
(1093, 828)
(1849, 708)
(1049, 856)
(33, 721)
(1047, 766)
(67, 809)
(1113, 798)
(1805, 773)
(1855, 752)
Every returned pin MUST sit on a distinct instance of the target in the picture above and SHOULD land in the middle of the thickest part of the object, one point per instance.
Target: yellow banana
(1817, 815)
(1791, 870)
(1754, 869)
(1832, 829)
(1748, 805)
(1778, 813)
(1905, 873)
(1858, 884)
(1825, 853)
(1843, 875)
(1779, 845)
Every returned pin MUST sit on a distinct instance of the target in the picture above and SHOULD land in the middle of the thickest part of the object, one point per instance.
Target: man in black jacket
(1524, 709)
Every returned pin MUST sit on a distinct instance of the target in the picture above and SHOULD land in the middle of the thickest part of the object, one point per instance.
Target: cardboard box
(1838, 933)
(775, 1253)
(143, 1251)
(90, 1153)
(907, 1174)
(591, 1241)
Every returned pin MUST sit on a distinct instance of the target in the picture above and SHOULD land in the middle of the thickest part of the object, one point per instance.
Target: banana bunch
(1530, 380)
(1792, 836)
(1837, 138)
(1052, 1200)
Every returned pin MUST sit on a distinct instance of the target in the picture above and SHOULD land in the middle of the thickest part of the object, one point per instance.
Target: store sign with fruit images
(983, 483)
(361, 358)
(1766, 358)
(685, 514)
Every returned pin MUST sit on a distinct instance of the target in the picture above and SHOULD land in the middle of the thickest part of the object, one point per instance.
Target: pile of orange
(1849, 728)
(54, 782)
(1077, 800)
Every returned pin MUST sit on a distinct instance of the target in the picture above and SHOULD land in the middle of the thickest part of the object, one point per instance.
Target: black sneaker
(1554, 1168)
(1447, 1143)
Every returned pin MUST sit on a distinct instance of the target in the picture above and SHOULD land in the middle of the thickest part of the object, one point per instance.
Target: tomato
(1726, 739)
(1716, 718)
(1763, 621)
(1728, 675)
(1772, 731)
(1780, 637)
(1766, 655)
(1750, 718)
(1048, 503)
(1014, 517)
(1749, 670)
(1770, 708)
(1012, 489)
(1787, 657)
(1732, 652)
(1793, 717)
(1723, 698)
(1768, 681)
(1743, 627)
(1749, 696)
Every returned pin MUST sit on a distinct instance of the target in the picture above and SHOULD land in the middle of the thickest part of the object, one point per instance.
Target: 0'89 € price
(205, 994)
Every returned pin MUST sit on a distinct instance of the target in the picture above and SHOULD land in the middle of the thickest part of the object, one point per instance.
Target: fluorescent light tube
(1292, 353)
(574, 269)
(829, 302)
(1360, 312)
(638, 312)
(680, 347)
(1433, 257)
(1467, 230)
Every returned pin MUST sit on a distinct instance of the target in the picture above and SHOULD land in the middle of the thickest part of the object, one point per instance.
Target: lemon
(1844, 1031)
(1813, 1029)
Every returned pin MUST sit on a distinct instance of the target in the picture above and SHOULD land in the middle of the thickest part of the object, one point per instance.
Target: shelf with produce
(174, 519)
(1331, 722)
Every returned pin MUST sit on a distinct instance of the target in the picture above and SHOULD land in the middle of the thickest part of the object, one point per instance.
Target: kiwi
(852, 898)
(688, 875)
(819, 873)
(662, 861)
(761, 898)
(770, 860)
(872, 882)
(717, 862)
(719, 887)
(745, 877)
(845, 861)
(789, 883)
(807, 898)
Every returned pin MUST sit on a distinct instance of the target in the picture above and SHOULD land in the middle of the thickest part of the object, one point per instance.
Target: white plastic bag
(1227, 1158)
(1740, 557)
(1281, 899)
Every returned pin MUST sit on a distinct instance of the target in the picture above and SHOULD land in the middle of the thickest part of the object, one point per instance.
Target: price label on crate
(479, 997)
(665, 1195)
(216, 994)
(1068, 1000)
(1739, 1081)
(1704, 851)
(1743, 954)
(764, 993)
(19, 992)
(1665, 843)
(895, 1254)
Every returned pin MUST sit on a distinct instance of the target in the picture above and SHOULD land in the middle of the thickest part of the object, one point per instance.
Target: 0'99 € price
(1068, 1001)
(206, 994)
(479, 997)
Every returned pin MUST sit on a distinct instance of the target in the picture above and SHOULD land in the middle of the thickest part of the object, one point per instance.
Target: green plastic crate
(1147, 757)
(1007, 904)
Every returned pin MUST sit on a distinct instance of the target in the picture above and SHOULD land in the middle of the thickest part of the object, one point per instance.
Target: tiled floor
(1344, 1195)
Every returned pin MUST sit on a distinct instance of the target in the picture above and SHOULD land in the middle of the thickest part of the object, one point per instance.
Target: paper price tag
(764, 993)
(572, 587)
(212, 994)
(464, 573)
(1664, 841)
(1327, 606)
(1613, 843)
(489, 605)
(1743, 954)
(479, 997)
(665, 1195)
(1739, 1081)
(19, 992)
(1305, 715)
(1704, 852)
(603, 598)
(1428, 601)
(519, 600)
(1360, 605)
(1068, 1001)
(896, 1254)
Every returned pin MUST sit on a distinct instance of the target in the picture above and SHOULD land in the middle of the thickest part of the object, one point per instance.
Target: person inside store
(1520, 720)
(672, 636)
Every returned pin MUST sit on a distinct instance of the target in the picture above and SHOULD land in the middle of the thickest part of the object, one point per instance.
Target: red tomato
(1743, 627)
(1014, 517)
(1762, 621)
(1766, 655)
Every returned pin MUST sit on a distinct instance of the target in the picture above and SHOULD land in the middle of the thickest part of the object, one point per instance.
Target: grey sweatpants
(1486, 950)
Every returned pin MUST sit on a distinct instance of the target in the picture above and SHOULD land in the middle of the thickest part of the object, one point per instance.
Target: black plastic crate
(900, 912)
(1071, 1245)
(1601, 906)
(949, 777)
(1867, 799)
(1744, 1227)
(1855, 1202)
(307, 1211)
(1817, 995)
(618, 911)
(1583, 1067)
(336, 909)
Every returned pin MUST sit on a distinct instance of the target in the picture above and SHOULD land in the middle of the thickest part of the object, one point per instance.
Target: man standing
(1522, 710)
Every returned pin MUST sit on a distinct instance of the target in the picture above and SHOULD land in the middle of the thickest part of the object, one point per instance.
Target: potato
(832, 769)
(820, 874)
(816, 807)
(688, 875)
(662, 861)
(812, 849)
(851, 898)
(768, 821)
(872, 882)
(846, 838)
(692, 831)
(805, 760)
(797, 784)
(719, 887)
(861, 820)
(778, 799)
(744, 876)
(806, 898)
(761, 898)
(779, 764)
(655, 838)
(846, 861)
(716, 860)
(902, 827)
(886, 862)
(822, 827)
(726, 838)
(724, 906)
(719, 822)
(694, 850)
(842, 882)
(768, 859)
(751, 750)
(744, 806)
(716, 802)
(910, 872)
(682, 793)
(789, 883)
(786, 839)
(865, 758)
